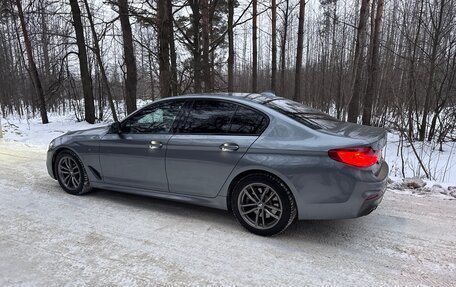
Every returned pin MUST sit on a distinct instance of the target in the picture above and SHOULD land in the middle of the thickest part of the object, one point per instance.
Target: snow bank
(419, 187)
(32, 133)
(440, 165)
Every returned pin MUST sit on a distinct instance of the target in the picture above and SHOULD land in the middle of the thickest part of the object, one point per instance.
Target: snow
(31, 132)
(420, 188)
(50, 238)
(440, 164)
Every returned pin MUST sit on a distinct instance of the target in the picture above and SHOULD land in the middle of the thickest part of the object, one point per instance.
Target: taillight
(359, 157)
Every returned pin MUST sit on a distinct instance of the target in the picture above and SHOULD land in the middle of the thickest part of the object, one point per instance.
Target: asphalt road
(49, 238)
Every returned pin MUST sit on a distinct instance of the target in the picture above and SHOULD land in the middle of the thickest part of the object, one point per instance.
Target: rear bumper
(370, 204)
(364, 199)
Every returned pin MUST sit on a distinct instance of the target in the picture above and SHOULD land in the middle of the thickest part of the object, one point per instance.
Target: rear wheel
(71, 173)
(263, 204)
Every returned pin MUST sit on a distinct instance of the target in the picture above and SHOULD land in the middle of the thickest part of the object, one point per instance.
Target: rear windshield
(307, 116)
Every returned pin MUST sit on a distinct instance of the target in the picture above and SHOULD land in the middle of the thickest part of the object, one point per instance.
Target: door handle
(155, 145)
(229, 147)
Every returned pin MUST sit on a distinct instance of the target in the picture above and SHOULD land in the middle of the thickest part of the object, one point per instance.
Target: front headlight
(51, 145)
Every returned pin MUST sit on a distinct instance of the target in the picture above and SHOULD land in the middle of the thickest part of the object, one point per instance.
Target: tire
(71, 174)
(263, 204)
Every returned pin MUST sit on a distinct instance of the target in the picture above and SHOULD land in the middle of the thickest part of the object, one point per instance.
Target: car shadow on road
(322, 232)
(169, 207)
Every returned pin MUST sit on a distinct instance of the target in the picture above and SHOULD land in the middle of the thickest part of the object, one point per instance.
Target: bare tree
(97, 52)
(33, 70)
(353, 104)
(283, 47)
(371, 91)
(254, 47)
(273, 45)
(189, 46)
(129, 54)
(205, 37)
(194, 4)
(163, 27)
(438, 28)
(172, 49)
(297, 85)
(230, 45)
(86, 79)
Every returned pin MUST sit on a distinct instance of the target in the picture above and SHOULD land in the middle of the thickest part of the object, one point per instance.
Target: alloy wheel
(260, 206)
(69, 172)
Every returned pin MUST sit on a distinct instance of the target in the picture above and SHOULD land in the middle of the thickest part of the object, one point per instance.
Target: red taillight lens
(359, 157)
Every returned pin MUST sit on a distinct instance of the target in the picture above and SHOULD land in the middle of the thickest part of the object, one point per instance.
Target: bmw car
(268, 160)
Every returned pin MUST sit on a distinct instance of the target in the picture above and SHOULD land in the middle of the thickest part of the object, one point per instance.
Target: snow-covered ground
(50, 238)
(31, 132)
(441, 165)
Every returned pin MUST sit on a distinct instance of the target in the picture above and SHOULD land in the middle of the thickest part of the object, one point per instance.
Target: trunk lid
(373, 136)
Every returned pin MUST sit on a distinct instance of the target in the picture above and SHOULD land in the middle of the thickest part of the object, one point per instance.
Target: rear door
(136, 156)
(209, 144)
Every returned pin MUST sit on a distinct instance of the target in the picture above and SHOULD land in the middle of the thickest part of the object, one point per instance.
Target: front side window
(209, 117)
(157, 119)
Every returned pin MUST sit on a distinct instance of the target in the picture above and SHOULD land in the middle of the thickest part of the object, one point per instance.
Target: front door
(136, 156)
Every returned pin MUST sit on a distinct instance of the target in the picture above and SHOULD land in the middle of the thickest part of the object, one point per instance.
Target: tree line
(385, 63)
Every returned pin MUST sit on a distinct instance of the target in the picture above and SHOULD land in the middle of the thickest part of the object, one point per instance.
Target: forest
(389, 63)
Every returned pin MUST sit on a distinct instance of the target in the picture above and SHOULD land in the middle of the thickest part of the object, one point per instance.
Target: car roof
(256, 98)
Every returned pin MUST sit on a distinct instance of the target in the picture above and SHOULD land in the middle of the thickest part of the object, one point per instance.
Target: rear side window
(305, 115)
(247, 122)
(209, 117)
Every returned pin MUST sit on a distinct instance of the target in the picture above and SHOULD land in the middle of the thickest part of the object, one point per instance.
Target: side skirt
(218, 202)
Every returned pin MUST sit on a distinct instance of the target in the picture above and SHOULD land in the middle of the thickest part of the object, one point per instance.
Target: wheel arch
(247, 172)
(58, 151)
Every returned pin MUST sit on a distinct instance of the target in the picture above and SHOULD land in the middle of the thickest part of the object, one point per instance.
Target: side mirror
(115, 128)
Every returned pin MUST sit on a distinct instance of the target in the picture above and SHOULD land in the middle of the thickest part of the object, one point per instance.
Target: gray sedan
(267, 159)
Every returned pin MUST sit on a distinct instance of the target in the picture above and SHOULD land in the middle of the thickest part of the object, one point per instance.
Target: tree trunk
(353, 104)
(297, 86)
(89, 107)
(274, 45)
(97, 52)
(373, 67)
(194, 4)
(205, 36)
(254, 47)
(45, 43)
(163, 42)
(411, 91)
(129, 53)
(172, 48)
(231, 45)
(432, 68)
(283, 49)
(33, 70)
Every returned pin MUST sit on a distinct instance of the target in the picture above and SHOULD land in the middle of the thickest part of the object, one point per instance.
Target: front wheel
(71, 174)
(263, 204)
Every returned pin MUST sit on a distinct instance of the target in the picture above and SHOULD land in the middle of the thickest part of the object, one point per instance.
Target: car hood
(98, 131)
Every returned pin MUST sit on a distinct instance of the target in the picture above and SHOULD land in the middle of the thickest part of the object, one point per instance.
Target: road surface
(49, 238)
